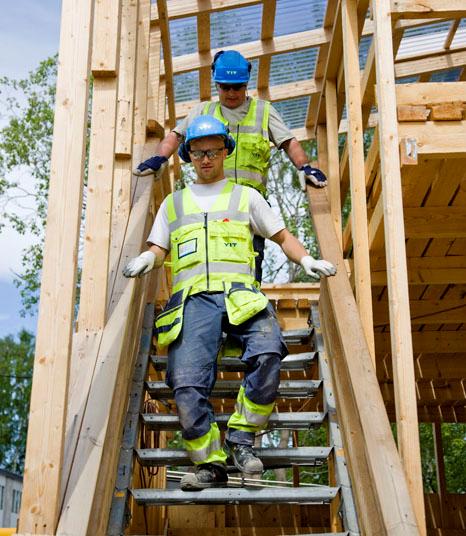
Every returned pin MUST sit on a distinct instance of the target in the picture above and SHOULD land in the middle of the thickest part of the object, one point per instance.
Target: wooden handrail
(379, 483)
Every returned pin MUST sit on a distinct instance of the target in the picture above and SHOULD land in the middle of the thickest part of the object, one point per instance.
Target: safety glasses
(210, 153)
(234, 87)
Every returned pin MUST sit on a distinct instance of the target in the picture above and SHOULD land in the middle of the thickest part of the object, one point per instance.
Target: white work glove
(316, 268)
(140, 265)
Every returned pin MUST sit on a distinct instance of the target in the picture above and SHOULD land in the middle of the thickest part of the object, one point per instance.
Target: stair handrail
(379, 482)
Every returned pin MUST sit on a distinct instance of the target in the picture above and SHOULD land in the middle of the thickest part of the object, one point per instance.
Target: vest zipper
(236, 152)
(206, 249)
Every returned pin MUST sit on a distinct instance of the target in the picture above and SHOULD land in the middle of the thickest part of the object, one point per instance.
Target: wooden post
(362, 272)
(440, 470)
(45, 442)
(333, 157)
(268, 24)
(203, 45)
(397, 276)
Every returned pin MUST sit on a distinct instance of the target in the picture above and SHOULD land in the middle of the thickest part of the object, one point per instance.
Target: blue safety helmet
(230, 67)
(202, 126)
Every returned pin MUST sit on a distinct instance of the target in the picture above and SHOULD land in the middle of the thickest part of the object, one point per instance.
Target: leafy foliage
(25, 147)
(16, 362)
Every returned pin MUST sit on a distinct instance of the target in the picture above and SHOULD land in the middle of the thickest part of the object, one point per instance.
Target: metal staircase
(305, 376)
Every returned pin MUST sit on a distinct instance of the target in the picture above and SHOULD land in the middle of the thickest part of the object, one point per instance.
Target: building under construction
(383, 342)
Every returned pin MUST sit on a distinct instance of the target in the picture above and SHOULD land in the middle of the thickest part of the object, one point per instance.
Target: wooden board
(45, 441)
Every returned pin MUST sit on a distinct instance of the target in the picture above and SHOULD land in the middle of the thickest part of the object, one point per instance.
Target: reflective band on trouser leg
(207, 448)
(249, 416)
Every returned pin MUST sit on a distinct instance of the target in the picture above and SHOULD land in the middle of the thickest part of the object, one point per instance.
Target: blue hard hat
(230, 67)
(202, 126)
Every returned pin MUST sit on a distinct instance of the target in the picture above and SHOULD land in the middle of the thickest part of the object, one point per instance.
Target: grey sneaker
(206, 475)
(244, 458)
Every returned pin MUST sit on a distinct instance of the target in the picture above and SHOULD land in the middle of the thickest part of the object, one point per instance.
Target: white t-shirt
(278, 131)
(262, 219)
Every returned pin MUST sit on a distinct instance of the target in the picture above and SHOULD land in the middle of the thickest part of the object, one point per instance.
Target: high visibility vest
(248, 164)
(210, 251)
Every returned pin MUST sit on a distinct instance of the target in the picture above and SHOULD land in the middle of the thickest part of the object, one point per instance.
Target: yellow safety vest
(210, 251)
(248, 164)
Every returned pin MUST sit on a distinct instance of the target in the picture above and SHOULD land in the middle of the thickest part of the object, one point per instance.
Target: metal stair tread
(237, 495)
(230, 388)
(271, 457)
(301, 361)
(293, 420)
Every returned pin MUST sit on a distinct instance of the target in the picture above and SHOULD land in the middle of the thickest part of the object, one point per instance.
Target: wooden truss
(396, 325)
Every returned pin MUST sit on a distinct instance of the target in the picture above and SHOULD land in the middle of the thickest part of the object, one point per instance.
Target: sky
(29, 33)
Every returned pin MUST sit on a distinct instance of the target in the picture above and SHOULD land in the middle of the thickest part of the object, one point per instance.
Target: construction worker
(253, 123)
(208, 228)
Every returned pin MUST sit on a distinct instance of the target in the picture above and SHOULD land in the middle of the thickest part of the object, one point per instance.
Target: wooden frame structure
(396, 327)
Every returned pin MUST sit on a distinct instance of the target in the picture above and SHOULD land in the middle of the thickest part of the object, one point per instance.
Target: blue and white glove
(312, 176)
(140, 265)
(317, 268)
(150, 166)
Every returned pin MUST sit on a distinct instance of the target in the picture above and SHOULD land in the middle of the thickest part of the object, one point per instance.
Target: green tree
(25, 147)
(16, 362)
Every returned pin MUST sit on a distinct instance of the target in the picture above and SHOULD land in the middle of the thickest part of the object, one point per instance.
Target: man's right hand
(150, 166)
(140, 265)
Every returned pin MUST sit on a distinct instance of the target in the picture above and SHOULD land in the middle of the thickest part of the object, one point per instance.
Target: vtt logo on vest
(231, 244)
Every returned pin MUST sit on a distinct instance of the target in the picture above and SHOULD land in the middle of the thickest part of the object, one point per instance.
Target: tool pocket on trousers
(243, 301)
(169, 322)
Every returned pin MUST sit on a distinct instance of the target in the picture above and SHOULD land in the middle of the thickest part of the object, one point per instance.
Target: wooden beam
(440, 470)
(255, 49)
(430, 93)
(440, 62)
(435, 222)
(439, 140)
(106, 39)
(426, 312)
(167, 60)
(349, 19)
(97, 233)
(439, 342)
(190, 8)
(126, 79)
(402, 351)
(416, 9)
(425, 271)
(451, 34)
(280, 92)
(203, 46)
(333, 159)
(153, 118)
(45, 439)
(355, 379)
(268, 26)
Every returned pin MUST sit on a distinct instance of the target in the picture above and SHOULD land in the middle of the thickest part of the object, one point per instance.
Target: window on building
(2, 491)
(15, 504)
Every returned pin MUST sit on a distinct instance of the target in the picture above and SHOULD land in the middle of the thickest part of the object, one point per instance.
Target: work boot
(243, 457)
(206, 475)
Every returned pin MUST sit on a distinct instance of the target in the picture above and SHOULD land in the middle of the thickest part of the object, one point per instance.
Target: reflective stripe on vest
(249, 162)
(214, 247)
(248, 415)
(207, 448)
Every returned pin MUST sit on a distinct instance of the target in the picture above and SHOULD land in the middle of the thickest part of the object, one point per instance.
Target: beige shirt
(278, 131)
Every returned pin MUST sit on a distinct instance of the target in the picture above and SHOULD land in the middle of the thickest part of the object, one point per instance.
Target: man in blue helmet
(253, 123)
(207, 227)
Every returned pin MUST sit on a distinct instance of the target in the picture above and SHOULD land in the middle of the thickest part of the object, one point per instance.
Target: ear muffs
(183, 152)
(217, 55)
(230, 144)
